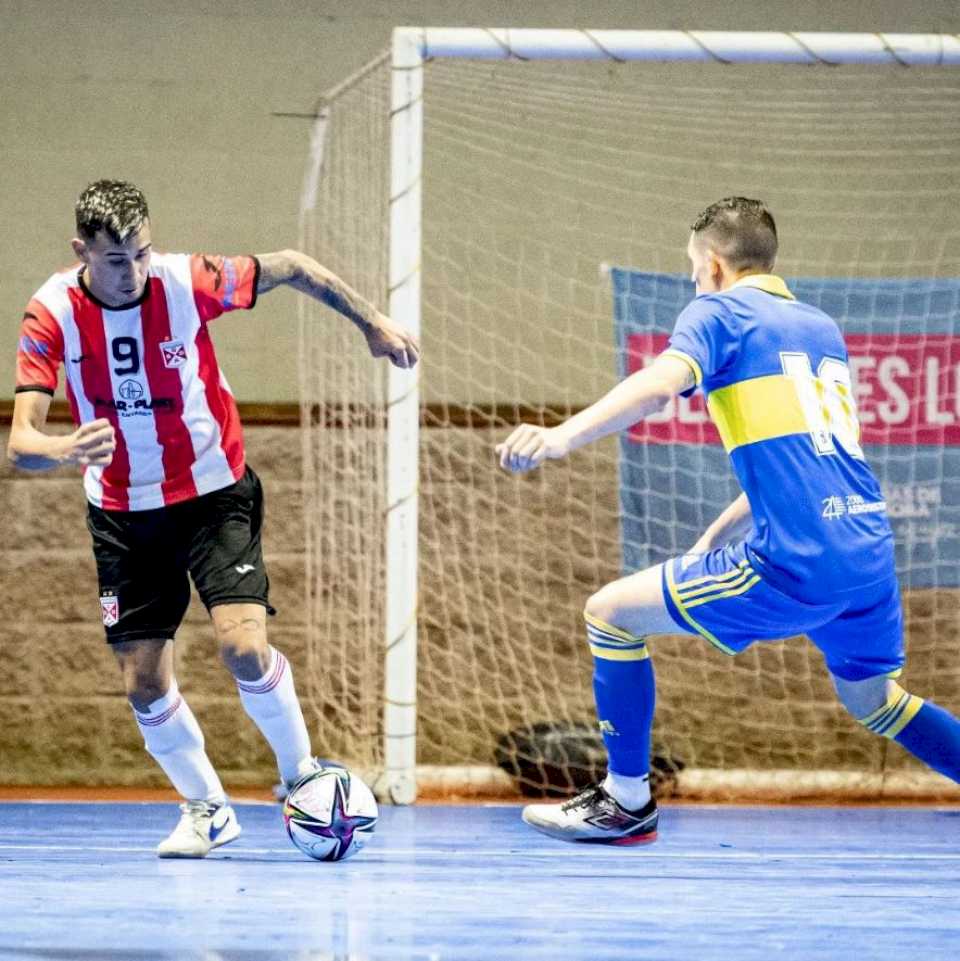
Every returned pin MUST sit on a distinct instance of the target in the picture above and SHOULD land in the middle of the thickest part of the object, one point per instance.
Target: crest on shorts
(109, 609)
(174, 353)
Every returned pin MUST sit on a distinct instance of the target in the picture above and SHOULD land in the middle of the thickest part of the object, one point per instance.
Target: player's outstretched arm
(295, 269)
(732, 525)
(644, 393)
(30, 448)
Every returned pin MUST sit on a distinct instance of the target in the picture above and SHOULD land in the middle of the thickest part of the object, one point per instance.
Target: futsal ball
(330, 814)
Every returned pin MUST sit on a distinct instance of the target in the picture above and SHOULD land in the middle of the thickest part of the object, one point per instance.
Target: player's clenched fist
(529, 446)
(92, 443)
(388, 339)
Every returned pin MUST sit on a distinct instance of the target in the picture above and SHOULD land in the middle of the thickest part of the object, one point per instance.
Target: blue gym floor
(81, 881)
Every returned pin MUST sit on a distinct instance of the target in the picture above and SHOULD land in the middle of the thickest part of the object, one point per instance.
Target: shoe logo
(244, 568)
(217, 829)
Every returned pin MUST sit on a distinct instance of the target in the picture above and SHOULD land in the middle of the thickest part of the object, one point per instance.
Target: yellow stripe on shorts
(712, 577)
(697, 628)
(719, 586)
(734, 591)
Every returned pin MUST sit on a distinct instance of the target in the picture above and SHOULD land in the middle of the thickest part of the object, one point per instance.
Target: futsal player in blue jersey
(805, 549)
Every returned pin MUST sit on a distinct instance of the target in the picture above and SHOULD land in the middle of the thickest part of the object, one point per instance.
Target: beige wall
(182, 102)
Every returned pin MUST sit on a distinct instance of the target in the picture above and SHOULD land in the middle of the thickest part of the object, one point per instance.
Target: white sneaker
(202, 827)
(281, 790)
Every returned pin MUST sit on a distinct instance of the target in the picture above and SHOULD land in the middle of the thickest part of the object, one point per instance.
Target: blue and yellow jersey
(775, 377)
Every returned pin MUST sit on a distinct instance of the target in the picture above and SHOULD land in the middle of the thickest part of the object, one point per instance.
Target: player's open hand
(388, 339)
(529, 446)
(92, 443)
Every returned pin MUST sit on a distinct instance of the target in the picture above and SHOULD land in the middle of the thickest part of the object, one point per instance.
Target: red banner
(907, 388)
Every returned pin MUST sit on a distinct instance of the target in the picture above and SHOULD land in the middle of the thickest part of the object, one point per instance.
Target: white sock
(271, 703)
(174, 740)
(631, 793)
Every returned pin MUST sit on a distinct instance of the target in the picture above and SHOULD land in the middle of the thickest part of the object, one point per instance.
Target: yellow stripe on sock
(894, 693)
(890, 719)
(909, 713)
(612, 654)
(634, 648)
(625, 636)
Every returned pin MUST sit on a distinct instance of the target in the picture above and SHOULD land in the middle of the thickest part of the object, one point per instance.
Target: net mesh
(535, 175)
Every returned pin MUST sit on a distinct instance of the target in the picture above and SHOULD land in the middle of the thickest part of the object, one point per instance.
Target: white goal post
(412, 48)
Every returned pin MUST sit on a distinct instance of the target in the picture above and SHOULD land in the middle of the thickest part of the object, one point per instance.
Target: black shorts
(145, 559)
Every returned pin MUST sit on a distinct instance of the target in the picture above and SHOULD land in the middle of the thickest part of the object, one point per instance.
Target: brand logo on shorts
(109, 609)
(244, 568)
(174, 353)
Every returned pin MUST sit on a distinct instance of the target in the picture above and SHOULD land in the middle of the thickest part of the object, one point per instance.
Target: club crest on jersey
(174, 353)
(109, 609)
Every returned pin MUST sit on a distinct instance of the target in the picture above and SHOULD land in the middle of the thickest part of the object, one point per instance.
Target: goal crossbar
(905, 49)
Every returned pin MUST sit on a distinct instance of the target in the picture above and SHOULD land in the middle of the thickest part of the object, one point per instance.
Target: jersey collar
(102, 305)
(769, 283)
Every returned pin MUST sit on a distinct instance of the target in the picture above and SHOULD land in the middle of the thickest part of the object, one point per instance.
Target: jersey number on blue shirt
(826, 401)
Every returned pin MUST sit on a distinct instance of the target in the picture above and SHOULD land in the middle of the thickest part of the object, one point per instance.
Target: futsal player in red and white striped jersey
(170, 495)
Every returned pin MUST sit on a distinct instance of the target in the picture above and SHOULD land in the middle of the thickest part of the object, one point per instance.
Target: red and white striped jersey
(149, 368)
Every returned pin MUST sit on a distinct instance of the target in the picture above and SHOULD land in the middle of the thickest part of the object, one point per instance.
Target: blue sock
(927, 731)
(934, 736)
(625, 693)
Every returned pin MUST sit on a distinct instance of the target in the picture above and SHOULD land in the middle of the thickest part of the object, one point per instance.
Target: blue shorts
(719, 596)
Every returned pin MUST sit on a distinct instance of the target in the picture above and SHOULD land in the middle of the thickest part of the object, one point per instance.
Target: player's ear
(80, 249)
(715, 266)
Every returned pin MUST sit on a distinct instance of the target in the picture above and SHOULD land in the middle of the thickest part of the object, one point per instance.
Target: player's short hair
(741, 230)
(115, 206)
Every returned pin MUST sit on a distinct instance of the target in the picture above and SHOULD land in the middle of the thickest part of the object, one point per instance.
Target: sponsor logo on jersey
(132, 402)
(140, 406)
(130, 390)
(174, 353)
(833, 507)
(109, 609)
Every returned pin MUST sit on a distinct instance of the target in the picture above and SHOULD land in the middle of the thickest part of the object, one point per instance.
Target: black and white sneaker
(594, 817)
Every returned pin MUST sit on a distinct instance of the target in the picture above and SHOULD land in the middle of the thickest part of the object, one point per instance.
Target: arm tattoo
(337, 295)
(246, 624)
(272, 274)
(307, 276)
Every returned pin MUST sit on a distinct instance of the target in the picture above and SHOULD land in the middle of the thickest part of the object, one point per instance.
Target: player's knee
(863, 698)
(243, 646)
(143, 687)
(602, 606)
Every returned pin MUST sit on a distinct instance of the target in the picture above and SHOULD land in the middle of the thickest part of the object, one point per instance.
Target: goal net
(535, 177)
